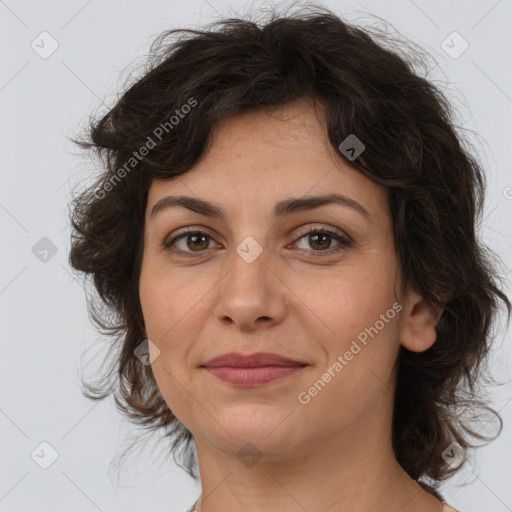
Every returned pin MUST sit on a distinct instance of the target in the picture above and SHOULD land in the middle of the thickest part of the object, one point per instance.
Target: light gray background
(45, 326)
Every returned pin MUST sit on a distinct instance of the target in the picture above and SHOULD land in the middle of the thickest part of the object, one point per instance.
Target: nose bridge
(248, 269)
(249, 290)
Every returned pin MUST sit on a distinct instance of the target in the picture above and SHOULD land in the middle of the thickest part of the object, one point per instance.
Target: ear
(419, 322)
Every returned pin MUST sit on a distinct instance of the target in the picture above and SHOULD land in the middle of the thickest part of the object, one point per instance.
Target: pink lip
(253, 369)
(251, 377)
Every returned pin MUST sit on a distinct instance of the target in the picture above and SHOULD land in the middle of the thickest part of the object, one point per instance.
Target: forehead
(260, 157)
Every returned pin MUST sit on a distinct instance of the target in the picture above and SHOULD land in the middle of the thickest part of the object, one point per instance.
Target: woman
(285, 231)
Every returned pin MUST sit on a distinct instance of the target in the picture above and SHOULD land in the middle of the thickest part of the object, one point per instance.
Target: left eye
(199, 241)
(322, 238)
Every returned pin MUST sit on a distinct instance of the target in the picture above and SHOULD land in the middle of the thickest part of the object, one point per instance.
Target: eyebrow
(281, 209)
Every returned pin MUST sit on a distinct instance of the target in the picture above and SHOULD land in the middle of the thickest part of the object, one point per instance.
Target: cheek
(359, 316)
(175, 308)
(169, 314)
(350, 300)
(170, 301)
(360, 369)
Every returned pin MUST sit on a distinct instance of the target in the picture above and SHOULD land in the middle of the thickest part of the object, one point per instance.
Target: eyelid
(185, 231)
(324, 229)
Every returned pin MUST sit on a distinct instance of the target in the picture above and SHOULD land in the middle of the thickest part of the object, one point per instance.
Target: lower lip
(251, 377)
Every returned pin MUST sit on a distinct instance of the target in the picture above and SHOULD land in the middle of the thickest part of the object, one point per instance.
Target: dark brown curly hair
(371, 86)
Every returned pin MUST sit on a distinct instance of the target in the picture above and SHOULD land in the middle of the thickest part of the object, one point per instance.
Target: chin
(268, 429)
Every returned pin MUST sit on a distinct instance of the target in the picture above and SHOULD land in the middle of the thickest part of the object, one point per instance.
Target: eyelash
(344, 242)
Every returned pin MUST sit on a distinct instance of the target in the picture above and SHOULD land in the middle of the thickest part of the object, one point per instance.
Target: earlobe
(418, 331)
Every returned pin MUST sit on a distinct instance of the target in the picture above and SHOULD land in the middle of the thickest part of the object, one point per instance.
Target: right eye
(190, 240)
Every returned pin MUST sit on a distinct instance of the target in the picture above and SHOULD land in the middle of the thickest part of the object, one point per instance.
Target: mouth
(252, 376)
(250, 370)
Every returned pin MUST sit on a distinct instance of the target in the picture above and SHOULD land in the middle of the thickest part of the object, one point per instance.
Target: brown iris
(322, 236)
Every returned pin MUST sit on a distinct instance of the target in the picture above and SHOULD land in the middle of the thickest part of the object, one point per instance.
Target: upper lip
(237, 360)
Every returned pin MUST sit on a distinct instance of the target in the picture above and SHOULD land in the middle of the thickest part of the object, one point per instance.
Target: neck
(356, 471)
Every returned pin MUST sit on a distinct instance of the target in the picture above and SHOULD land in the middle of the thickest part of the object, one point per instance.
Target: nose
(251, 294)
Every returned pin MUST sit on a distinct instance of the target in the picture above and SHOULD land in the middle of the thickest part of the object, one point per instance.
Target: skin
(333, 453)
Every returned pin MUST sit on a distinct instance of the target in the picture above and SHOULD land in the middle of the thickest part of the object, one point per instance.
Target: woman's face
(254, 280)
